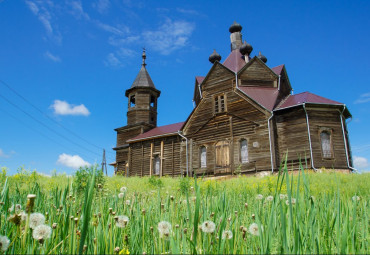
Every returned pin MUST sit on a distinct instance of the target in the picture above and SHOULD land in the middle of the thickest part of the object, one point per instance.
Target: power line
(47, 127)
(47, 116)
(45, 136)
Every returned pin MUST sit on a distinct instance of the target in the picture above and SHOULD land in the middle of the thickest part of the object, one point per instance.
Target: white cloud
(77, 10)
(119, 30)
(102, 6)
(364, 98)
(64, 108)
(112, 60)
(43, 11)
(360, 162)
(119, 41)
(170, 36)
(4, 155)
(72, 161)
(52, 57)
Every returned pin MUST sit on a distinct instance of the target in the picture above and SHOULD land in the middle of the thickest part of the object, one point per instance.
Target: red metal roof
(199, 79)
(266, 97)
(159, 131)
(278, 69)
(234, 61)
(306, 97)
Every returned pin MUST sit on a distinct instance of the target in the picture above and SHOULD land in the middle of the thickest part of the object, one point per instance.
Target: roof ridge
(283, 101)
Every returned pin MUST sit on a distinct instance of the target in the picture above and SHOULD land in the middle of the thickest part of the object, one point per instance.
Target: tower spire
(144, 57)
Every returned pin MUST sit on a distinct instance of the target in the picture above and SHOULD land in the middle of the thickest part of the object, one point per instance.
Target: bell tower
(142, 98)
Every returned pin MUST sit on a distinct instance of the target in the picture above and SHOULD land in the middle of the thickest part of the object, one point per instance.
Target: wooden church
(245, 120)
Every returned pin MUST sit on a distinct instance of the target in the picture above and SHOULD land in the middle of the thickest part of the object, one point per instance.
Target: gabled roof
(158, 131)
(305, 97)
(266, 97)
(199, 79)
(143, 79)
(235, 61)
(278, 69)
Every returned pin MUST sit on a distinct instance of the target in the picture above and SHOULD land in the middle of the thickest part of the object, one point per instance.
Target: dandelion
(208, 226)
(41, 232)
(121, 195)
(270, 198)
(254, 230)
(259, 197)
(121, 221)
(282, 196)
(4, 243)
(164, 229)
(30, 202)
(23, 215)
(128, 202)
(123, 189)
(15, 218)
(36, 219)
(356, 198)
(293, 201)
(227, 234)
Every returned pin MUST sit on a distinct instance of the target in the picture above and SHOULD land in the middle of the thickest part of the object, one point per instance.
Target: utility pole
(104, 164)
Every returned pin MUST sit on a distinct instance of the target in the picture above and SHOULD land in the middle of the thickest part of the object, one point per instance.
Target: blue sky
(73, 60)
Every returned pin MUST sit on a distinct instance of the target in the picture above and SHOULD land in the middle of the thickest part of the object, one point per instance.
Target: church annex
(245, 120)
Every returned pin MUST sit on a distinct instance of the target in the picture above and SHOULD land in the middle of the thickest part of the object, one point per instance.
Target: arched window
(244, 151)
(203, 157)
(326, 144)
(132, 101)
(157, 165)
(222, 154)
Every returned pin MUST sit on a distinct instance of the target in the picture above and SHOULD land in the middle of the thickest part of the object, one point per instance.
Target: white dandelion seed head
(123, 189)
(356, 198)
(4, 243)
(36, 219)
(270, 198)
(259, 197)
(227, 234)
(11, 209)
(283, 196)
(41, 232)
(121, 195)
(254, 230)
(121, 221)
(208, 226)
(128, 202)
(164, 229)
(293, 201)
(23, 215)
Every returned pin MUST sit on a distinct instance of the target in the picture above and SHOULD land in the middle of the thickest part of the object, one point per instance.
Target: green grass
(323, 219)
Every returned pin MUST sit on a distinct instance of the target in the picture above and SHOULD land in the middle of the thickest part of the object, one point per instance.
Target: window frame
(217, 104)
(330, 132)
(155, 157)
(240, 151)
(200, 157)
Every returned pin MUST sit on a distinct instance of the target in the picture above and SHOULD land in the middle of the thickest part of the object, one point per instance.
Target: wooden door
(222, 158)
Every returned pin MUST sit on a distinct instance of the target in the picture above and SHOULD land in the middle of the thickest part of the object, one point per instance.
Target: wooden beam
(151, 160)
(173, 160)
(162, 156)
(142, 159)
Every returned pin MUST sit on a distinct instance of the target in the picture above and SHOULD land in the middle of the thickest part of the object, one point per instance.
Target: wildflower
(15, 218)
(164, 229)
(123, 189)
(253, 216)
(41, 232)
(4, 243)
(116, 250)
(36, 219)
(128, 202)
(270, 198)
(54, 226)
(356, 198)
(227, 234)
(208, 226)
(23, 215)
(254, 230)
(282, 196)
(124, 251)
(121, 221)
(30, 202)
(246, 205)
(293, 201)
(121, 195)
(259, 197)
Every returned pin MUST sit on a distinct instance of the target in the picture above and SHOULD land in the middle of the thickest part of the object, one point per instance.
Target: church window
(326, 146)
(244, 151)
(219, 103)
(222, 154)
(152, 101)
(132, 101)
(157, 165)
(203, 157)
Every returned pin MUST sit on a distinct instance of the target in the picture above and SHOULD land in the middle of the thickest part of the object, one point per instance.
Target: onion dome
(235, 27)
(262, 57)
(214, 57)
(246, 48)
